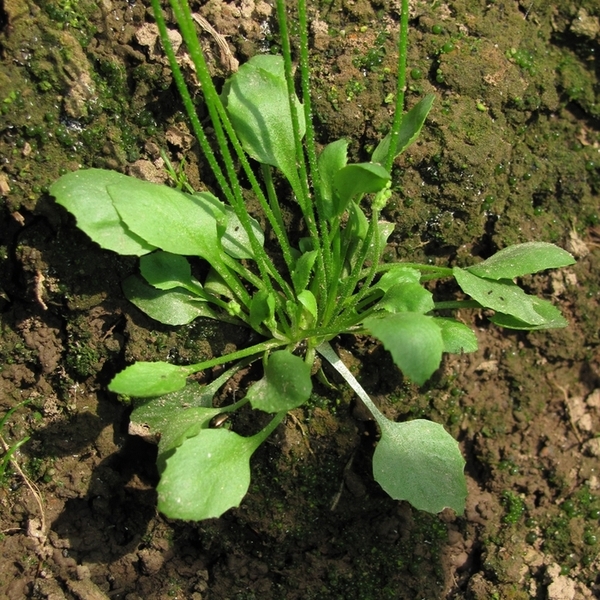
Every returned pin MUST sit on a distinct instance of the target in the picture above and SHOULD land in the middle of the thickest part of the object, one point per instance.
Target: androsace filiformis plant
(326, 282)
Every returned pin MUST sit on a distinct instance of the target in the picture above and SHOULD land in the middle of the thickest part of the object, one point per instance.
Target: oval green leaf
(84, 194)
(457, 337)
(147, 379)
(206, 475)
(234, 238)
(522, 259)
(412, 123)
(553, 318)
(333, 157)
(356, 179)
(503, 296)
(285, 385)
(171, 307)
(418, 461)
(407, 297)
(166, 271)
(167, 218)
(257, 101)
(414, 341)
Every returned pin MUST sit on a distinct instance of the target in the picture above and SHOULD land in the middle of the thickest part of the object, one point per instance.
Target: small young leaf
(84, 194)
(166, 271)
(503, 296)
(414, 341)
(356, 179)
(214, 284)
(167, 218)
(257, 101)
(396, 276)
(333, 157)
(522, 259)
(412, 122)
(553, 319)
(262, 310)
(458, 338)
(353, 234)
(309, 302)
(385, 229)
(407, 297)
(206, 475)
(147, 379)
(285, 385)
(420, 462)
(302, 270)
(358, 224)
(171, 307)
(234, 239)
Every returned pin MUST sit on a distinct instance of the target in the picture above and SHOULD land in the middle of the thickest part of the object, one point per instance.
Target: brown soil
(509, 154)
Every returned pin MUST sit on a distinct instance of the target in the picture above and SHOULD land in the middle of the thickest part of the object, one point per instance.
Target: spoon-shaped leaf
(84, 194)
(419, 461)
(412, 122)
(147, 379)
(208, 473)
(414, 341)
(167, 218)
(522, 259)
(285, 385)
(172, 307)
(257, 102)
(503, 296)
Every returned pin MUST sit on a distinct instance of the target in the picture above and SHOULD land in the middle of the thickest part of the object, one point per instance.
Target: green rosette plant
(326, 281)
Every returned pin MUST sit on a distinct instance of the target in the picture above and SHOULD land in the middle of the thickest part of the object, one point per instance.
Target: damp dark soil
(509, 154)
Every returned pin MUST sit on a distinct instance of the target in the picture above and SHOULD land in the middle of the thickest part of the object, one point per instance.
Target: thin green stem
(258, 283)
(188, 103)
(338, 242)
(257, 350)
(327, 352)
(311, 151)
(219, 121)
(400, 87)
(346, 302)
(429, 272)
(257, 439)
(375, 248)
(304, 199)
(274, 202)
